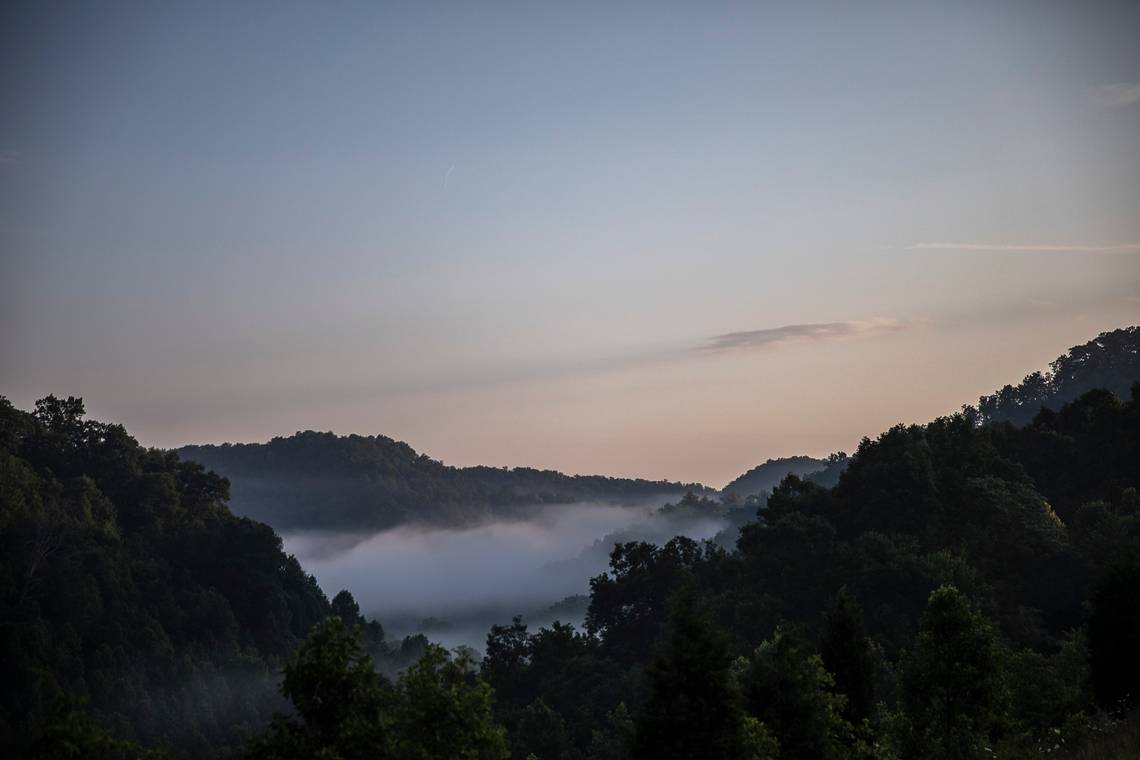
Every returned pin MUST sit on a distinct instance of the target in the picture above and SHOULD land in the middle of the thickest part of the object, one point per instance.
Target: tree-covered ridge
(132, 601)
(1110, 361)
(125, 581)
(962, 588)
(324, 481)
(765, 477)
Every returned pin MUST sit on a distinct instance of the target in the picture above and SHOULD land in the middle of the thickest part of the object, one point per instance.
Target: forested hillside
(1110, 361)
(965, 589)
(962, 592)
(323, 481)
(765, 477)
(126, 585)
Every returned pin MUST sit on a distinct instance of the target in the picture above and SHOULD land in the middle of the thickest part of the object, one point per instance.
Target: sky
(667, 240)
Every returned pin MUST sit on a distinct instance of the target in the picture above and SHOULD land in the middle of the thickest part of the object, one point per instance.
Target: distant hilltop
(323, 481)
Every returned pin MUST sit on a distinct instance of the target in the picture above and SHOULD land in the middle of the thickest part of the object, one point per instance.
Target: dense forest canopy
(965, 588)
(127, 584)
(1110, 361)
(324, 481)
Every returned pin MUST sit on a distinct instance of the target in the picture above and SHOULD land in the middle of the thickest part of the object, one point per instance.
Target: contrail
(447, 177)
(1029, 247)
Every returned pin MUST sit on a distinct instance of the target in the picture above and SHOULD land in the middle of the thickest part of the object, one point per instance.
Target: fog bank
(466, 579)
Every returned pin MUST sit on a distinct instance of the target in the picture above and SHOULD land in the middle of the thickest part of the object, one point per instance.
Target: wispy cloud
(809, 332)
(1026, 247)
(8, 157)
(1115, 95)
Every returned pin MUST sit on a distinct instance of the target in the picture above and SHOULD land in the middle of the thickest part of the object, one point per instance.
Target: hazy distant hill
(767, 476)
(1110, 361)
(324, 481)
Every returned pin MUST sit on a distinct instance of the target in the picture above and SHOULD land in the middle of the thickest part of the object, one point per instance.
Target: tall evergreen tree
(846, 652)
(951, 689)
(1114, 631)
(541, 733)
(790, 691)
(693, 710)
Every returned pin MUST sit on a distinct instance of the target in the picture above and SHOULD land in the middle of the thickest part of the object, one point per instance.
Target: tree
(615, 738)
(541, 733)
(1114, 630)
(951, 688)
(341, 702)
(344, 606)
(346, 710)
(791, 692)
(693, 710)
(71, 734)
(443, 710)
(847, 655)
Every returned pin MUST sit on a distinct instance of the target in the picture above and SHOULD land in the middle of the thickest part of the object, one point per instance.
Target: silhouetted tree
(788, 689)
(541, 732)
(443, 709)
(693, 710)
(341, 702)
(951, 691)
(1114, 639)
(847, 655)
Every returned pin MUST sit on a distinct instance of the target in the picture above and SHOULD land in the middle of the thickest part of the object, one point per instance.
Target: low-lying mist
(454, 583)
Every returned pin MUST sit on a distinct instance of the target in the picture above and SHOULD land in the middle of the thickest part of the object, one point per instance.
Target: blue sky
(512, 234)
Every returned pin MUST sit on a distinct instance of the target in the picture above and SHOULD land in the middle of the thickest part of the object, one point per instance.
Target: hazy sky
(667, 240)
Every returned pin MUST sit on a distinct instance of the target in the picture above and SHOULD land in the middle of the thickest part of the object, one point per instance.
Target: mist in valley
(452, 584)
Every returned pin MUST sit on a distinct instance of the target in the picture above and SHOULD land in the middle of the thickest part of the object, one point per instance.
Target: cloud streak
(811, 332)
(1115, 95)
(10, 157)
(1026, 247)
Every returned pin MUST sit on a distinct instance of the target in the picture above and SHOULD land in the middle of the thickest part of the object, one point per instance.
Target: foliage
(1110, 361)
(787, 688)
(322, 481)
(1114, 631)
(346, 710)
(996, 565)
(765, 477)
(846, 652)
(951, 686)
(693, 709)
(126, 581)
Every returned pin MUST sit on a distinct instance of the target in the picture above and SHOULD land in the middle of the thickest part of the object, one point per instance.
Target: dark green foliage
(1110, 361)
(340, 701)
(541, 732)
(346, 710)
(630, 607)
(693, 709)
(344, 606)
(323, 481)
(443, 709)
(71, 734)
(847, 654)
(787, 688)
(125, 580)
(951, 689)
(1114, 639)
(613, 740)
(563, 667)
